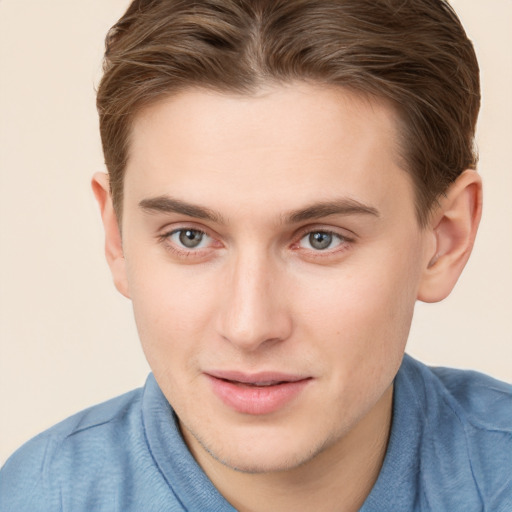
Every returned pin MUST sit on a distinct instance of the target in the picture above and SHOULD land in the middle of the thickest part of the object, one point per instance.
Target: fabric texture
(450, 449)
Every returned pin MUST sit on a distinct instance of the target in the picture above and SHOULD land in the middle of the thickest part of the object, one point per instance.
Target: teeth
(263, 384)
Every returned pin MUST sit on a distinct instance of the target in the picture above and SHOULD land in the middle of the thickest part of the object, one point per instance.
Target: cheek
(172, 311)
(362, 314)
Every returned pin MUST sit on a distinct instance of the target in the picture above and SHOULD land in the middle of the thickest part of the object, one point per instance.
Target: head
(286, 179)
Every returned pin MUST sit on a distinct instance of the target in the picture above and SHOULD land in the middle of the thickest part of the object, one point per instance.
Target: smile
(257, 394)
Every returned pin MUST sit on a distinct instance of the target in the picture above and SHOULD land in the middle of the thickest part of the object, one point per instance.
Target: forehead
(288, 143)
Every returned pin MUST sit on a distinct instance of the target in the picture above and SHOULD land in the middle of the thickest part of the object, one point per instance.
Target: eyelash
(343, 245)
(165, 240)
(341, 238)
(344, 242)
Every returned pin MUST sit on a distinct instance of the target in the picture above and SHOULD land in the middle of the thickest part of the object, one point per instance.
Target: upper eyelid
(345, 233)
(177, 230)
(333, 233)
(168, 230)
(169, 233)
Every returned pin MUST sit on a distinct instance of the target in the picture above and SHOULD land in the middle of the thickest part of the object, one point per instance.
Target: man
(285, 180)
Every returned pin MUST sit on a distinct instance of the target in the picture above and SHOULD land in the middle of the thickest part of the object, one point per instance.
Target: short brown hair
(413, 53)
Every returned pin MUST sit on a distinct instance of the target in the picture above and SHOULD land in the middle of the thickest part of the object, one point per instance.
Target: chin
(264, 462)
(263, 453)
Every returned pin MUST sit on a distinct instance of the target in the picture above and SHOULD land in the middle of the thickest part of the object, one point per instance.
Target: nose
(254, 309)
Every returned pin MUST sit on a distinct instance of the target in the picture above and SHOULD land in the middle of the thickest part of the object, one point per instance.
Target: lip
(241, 392)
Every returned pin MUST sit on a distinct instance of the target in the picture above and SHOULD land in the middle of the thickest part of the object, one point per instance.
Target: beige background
(67, 339)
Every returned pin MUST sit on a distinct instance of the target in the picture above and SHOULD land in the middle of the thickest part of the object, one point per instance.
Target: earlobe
(453, 226)
(113, 241)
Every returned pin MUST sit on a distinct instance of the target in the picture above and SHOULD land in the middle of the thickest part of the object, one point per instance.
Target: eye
(189, 238)
(321, 240)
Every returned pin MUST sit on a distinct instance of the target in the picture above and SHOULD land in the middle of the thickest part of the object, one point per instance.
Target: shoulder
(467, 431)
(485, 402)
(478, 400)
(30, 478)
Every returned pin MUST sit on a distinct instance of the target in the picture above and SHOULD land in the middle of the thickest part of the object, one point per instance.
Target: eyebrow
(344, 206)
(166, 204)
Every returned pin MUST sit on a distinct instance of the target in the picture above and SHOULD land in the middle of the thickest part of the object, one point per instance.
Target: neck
(338, 479)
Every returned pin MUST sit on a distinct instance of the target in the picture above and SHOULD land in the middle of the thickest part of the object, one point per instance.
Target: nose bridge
(253, 311)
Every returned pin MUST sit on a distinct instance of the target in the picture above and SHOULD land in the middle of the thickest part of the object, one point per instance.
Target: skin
(257, 295)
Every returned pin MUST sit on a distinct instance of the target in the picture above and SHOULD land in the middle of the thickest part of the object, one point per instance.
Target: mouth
(257, 394)
(257, 384)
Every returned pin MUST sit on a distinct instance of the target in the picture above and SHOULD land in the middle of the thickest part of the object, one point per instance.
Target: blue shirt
(450, 449)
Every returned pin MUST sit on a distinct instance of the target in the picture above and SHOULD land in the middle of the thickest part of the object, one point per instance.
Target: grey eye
(320, 240)
(189, 238)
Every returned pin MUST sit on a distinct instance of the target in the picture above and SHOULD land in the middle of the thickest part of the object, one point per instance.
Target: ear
(453, 226)
(113, 241)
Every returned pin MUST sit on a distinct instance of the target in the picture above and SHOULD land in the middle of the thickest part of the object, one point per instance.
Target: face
(273, 258)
